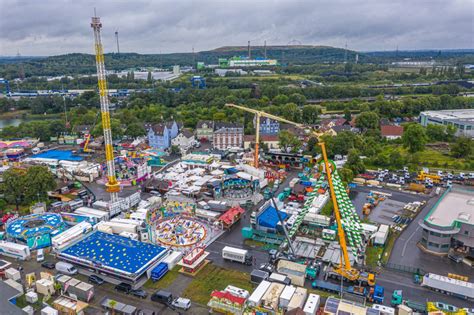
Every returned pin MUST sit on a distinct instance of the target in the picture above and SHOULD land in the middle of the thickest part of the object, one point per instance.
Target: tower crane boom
(112, 186)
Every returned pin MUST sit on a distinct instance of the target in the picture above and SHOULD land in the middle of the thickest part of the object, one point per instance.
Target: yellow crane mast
(259, 114)
(112, 186)
(344, 269)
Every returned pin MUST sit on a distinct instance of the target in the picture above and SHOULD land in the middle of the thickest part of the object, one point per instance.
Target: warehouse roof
(456, 205)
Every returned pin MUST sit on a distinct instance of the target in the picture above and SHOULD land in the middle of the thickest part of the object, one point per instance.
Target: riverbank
(16, 114)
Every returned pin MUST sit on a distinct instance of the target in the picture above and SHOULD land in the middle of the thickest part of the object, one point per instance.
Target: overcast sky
(52, 27)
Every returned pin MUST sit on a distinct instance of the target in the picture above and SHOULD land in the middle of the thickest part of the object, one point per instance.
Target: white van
(182, 303)
(40, 255)
(66, 268)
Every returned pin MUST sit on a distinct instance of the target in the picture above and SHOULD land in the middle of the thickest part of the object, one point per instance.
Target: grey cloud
(51, 27)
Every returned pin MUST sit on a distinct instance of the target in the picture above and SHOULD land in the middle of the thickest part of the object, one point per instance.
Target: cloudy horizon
(54, 27)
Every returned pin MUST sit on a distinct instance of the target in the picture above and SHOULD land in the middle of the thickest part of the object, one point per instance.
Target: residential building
(391, 132)
(450, 223)
(160, 135)
(271, 141)
(327, 124)
(184, 140)
(204, 130)
(268, 126)
(228, 135)
(462, 119)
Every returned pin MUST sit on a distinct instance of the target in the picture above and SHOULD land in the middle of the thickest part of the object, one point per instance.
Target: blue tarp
(269, 217)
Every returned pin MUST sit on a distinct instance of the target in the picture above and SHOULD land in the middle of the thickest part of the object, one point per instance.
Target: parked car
(48, 265)
(40, 255)
(123, 287)
(66, 268)
(163, 297)
(139, 293)
(96, 279)
(182, 303)
(455, 258)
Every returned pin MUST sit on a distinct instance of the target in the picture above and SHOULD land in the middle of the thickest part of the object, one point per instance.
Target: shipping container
(448, 285)
(298, 299)
(271, 297)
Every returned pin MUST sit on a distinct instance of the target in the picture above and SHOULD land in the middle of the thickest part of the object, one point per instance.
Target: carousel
(180, 231)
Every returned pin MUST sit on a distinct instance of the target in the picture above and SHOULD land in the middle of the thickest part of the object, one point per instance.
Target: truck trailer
(15, 250)
(237, 254)
(450, 286)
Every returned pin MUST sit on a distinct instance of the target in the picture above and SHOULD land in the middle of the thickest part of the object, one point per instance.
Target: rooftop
(454, 114)
(114, 252)
(7, 293)
(456, 205)
(391, 130)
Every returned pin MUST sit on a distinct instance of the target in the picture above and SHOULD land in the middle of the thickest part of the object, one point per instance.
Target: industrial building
(462, 119)
(450, 223)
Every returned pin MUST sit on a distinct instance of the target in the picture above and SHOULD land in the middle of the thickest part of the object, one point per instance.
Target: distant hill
(85, 63)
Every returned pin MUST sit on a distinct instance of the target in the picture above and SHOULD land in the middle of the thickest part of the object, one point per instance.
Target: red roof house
(391, 131)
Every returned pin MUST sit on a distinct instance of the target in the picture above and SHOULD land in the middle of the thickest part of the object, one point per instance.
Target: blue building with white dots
(115, 256)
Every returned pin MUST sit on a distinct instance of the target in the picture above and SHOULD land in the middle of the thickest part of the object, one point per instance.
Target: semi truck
(397, 299)
(450, 286)
(238, 255)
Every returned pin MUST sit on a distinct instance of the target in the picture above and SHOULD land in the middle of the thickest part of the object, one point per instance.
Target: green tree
(346, 174)
(40, 180)
(414, 138)
(347, 114)
(175, 150)
(354, 162)
(462, 148)
(115, 126)
(298, 99)
(309, 114)
(13, 186)
(436, 132)
(396, 159)
(367, 121)
(280, 99)
(135, 130)
(289, 141)
(149, 77)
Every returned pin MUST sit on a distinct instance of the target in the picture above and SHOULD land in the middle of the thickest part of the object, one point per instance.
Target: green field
(212, 278)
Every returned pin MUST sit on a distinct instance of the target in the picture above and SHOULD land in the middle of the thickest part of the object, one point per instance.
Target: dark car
(48, 265)
(163, 297)
(123, 287)
(139, 293)
(96, 279)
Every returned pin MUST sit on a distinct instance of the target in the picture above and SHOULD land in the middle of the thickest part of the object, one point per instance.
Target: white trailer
(71, 235)
(298, 299)
(312, 304)
(15, 250)
(449, 286)
(381, 235)
(256, 298)
(296, 272)
(286, 296)
(90, 212)
(237, 254)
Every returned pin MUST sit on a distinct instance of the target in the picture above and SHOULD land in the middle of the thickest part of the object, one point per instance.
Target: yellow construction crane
(112, 186)
(344, 269)
(259, 114)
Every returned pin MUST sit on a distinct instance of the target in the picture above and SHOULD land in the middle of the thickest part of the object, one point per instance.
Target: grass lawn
(372, 256)
(212, 278)
(321, 293)
(164, 282)
(392, 237)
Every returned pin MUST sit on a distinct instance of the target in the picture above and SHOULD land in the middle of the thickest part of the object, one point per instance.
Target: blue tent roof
(269, 217)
